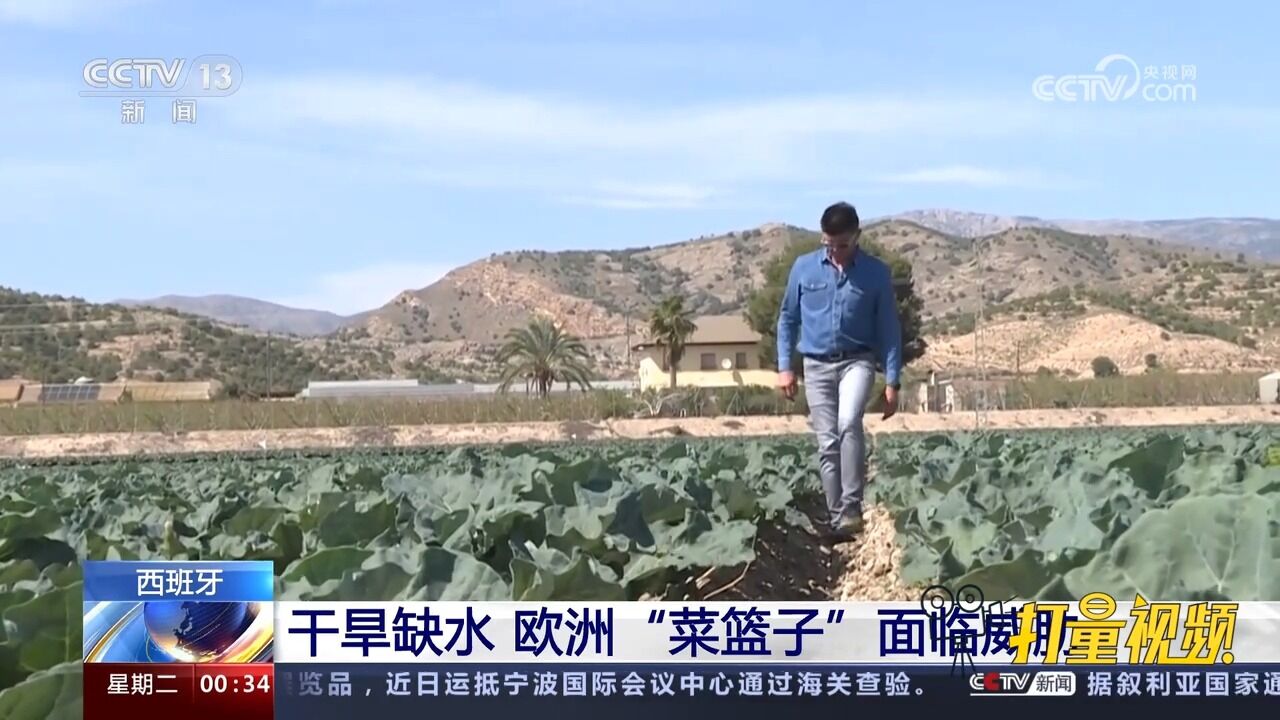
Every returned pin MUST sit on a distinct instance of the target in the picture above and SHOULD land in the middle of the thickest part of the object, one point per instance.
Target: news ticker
(340, 691)
(209, 638)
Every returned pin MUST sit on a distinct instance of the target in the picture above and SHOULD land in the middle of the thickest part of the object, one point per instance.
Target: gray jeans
(837, 394)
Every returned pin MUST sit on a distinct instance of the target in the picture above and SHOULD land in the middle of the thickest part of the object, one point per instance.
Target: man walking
(840, 313)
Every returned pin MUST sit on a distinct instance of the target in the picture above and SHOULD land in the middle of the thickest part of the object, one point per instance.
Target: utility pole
(270, 367)
(626, 310)
(980, 396)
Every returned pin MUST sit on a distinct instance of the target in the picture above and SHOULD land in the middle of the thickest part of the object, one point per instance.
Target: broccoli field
(1178, 514)
(1188, 514)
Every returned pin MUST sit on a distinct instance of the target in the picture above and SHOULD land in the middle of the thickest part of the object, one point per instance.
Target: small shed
(10, 391)
(1269, 388)
(185, 391)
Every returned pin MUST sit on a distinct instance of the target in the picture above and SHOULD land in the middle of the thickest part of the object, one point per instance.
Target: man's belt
(839, 356)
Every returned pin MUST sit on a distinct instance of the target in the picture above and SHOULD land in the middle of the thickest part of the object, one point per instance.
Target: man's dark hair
(839, 219)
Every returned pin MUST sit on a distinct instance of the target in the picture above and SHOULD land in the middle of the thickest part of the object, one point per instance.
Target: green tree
(765, 303)
(542, 353)
(1104, 366)
(670, 326)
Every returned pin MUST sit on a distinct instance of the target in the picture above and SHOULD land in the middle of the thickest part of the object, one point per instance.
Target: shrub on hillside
(1104, 366)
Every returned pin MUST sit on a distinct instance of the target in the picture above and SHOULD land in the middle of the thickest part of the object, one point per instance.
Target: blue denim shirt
(833, 310)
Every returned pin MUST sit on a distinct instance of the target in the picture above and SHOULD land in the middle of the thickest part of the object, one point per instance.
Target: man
(840, 313)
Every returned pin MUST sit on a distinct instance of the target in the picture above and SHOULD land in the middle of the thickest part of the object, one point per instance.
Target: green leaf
(46, 628)
(1070, 530)
(41, 551)
(254, 520)
(347, 525)
(541, 573)
(53, 694)
(1020, 578)
(327, 564)
(446, 575)
(1200, 548)
(1151, 464)
(35, 523)
(341, 574)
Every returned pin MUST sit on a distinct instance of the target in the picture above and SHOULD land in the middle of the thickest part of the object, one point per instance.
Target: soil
(1071, 344)
(797, 564)
(54, 446)
(791, 564)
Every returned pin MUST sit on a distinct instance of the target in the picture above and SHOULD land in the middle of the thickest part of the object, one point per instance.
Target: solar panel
(70, 393)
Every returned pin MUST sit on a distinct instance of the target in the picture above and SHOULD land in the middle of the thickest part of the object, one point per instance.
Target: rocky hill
(1022, 277)
(1019, 271)
(254, 314)
(594, 293)
(48, 338)
(1257, 237)
(1068, 345)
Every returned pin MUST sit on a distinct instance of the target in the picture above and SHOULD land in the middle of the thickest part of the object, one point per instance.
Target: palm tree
(542, 353)
(670, 326)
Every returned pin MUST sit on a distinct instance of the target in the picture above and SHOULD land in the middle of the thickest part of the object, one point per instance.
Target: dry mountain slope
(253, 314)
(1259, 237)
(452, 327)
(592, 292)
(598, 294)
(1069, 345)
(1023, 262)
(58, 339)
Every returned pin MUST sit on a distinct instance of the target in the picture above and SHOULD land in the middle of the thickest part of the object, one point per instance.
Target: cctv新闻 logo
(1038, 684)
(1116, 78)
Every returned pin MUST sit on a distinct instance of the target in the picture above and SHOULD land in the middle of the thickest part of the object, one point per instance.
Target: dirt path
(48, 446)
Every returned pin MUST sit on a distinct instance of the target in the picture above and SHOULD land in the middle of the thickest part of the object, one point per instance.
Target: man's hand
(787, 384)
(890, 402)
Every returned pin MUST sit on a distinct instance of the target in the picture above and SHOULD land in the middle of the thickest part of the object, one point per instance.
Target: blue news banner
(543, 660)
(190, 640)
(197, 640)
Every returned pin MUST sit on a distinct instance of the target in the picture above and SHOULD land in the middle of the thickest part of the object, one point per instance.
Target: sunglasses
(843, 242)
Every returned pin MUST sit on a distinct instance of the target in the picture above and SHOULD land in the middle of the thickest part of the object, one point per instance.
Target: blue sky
(375, 145)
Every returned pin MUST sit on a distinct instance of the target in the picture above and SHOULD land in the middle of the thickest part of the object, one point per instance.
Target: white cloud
(565, 148)
(473, 136)
(61, 12)
(633, 196)
(351, 291)
(454, 117)
(966, 175)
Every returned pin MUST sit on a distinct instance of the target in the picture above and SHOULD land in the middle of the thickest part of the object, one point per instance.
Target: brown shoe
(845, 531)
(850, 525)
